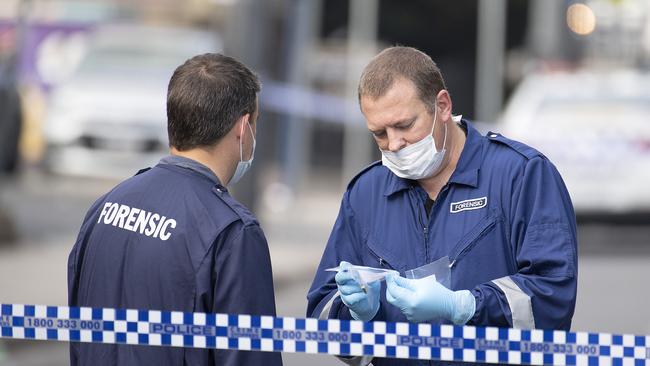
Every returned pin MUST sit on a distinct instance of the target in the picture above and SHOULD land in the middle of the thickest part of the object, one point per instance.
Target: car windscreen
(129, 59)
(143, 52)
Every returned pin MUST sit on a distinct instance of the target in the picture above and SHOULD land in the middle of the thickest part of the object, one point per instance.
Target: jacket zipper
(488, 225)
(427, 219)
(424, 222)
(382, 261)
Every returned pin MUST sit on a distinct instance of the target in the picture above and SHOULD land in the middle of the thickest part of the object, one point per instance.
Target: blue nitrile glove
(363, 305)
(426, 299)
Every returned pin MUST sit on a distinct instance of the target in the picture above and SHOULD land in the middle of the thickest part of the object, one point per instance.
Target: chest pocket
(483, 254)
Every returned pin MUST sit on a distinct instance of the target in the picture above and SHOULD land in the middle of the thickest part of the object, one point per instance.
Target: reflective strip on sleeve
(519, 302)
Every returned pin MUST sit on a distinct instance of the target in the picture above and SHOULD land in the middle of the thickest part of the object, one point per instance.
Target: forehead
(401, 101)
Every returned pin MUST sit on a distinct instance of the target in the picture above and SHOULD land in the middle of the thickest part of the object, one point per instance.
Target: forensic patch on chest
(471, 204)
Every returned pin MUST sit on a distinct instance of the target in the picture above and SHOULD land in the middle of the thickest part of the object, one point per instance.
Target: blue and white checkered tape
(332, 336)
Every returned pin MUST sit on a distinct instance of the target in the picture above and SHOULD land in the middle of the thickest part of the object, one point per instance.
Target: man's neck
(456, 142)
(206, 156)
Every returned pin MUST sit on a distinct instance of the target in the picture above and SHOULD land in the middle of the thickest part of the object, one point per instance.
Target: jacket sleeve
(75, 259)
(244, 285)
(323, 300)
(542, 294)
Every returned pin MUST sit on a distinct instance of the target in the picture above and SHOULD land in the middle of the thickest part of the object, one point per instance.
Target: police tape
(331, 336)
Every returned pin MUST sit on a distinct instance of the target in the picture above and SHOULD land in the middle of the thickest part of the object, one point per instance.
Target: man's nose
(395, 142)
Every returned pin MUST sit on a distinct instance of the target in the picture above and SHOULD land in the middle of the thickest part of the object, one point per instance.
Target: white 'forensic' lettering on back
(137, 220)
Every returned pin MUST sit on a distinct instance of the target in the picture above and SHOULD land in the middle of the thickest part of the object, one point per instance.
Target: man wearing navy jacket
(171, 237)
(488, 216)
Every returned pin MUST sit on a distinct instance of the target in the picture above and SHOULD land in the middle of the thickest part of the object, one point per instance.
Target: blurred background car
(594, 127)
(111, 112)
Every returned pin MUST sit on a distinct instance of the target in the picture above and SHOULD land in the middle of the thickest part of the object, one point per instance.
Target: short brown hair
(205, 97)
(402, 62)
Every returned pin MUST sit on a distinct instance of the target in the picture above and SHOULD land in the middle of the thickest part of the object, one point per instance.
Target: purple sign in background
(35, 35)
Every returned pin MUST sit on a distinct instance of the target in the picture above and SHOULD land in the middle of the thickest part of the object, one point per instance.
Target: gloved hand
(426, 299)
(363, 305)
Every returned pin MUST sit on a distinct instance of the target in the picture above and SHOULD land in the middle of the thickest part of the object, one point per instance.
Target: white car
(595, 128)
(109, 118)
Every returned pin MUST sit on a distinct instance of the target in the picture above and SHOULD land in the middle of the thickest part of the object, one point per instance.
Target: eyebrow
(405, 121)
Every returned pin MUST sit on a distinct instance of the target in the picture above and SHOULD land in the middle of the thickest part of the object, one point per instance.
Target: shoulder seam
(246, 221)
(524, 150)
(362, 172)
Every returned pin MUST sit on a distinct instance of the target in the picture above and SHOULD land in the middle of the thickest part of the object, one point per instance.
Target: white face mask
(419, 160)
(243, 166)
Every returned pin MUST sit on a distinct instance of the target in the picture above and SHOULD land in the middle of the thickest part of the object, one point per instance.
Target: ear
(444, 105)
(240, 126)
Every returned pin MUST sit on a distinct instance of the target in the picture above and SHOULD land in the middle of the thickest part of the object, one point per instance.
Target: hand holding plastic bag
(425, 299)
(362, 299)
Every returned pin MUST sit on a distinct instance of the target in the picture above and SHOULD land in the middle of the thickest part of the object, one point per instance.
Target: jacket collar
(190, 164)
(469, 164)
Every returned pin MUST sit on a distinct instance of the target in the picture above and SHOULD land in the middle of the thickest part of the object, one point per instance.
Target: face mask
(243, 166)
(419, 160)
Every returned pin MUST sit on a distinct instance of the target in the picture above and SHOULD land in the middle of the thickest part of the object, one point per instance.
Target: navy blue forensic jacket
(504, 219)
(171, 238)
